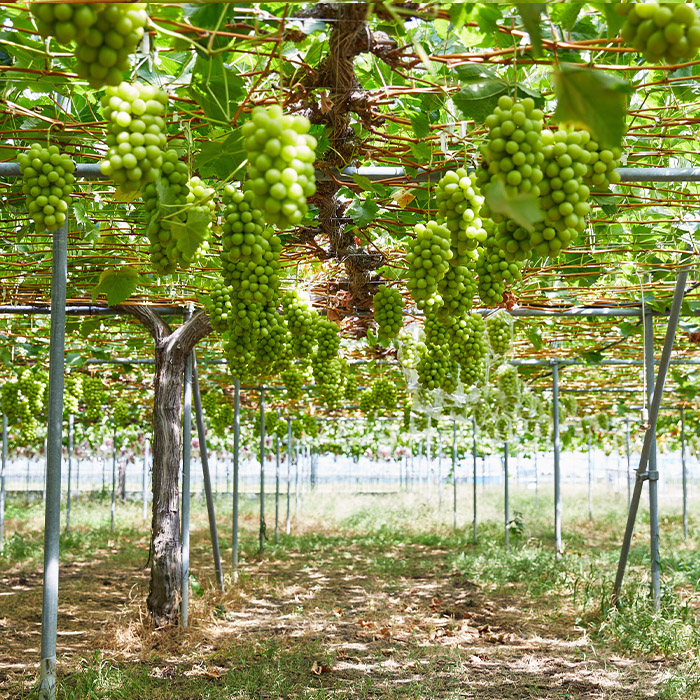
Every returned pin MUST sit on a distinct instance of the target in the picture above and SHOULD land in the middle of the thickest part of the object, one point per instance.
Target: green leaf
(421, 124)
(530, 14)
(89, 325)
(608, 203)
(190, 233)
(206, 15)
(524, 209)
(117, 284)
(593, 357)
(613, 20)
(565, 14)
(220, 160)
(216, 88)
(535, 338)
(479, 98)
(363, 212)
(92, 231)
(363, 182)
(592, 99)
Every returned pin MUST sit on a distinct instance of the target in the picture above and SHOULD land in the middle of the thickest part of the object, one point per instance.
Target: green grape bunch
(47, 182)
(495, 273)
(602, 166)
(329, 377)
(281, 155)
(509, 381)
(428, 259)
(93, 397)
(136, 138)
(301, 321)
(388, 312)
(469, 346)
(512, 152)
(434, 367)
(459, 203)
(499, 329)
(250, 251)
(72, 394)
(293, 381)
(106, 35)
(219, 305)
(661, 31)
(328, 339)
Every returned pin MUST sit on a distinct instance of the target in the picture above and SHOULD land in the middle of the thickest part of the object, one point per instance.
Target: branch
(191, 332)
(157, 327)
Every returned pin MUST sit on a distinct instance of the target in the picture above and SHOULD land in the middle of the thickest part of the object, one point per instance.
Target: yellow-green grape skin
(662, 32)
(281, 155)
(512, 151)
(47, 183)
(459, 203)
(65, 21)
(428, 259)
(388, 312)
(499, 329)
(135, 134)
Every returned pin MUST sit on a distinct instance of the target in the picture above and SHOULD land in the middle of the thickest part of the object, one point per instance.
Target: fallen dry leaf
(317, 669)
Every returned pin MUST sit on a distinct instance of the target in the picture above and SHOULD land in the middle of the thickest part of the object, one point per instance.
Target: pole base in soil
(47, 679)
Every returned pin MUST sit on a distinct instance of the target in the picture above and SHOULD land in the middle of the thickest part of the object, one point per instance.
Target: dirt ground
(426, 632)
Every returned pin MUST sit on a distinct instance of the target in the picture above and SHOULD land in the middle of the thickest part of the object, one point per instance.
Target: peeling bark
(171, 350)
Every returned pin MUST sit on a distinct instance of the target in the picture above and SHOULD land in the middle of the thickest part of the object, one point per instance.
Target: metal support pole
(629, 465)
(685, 477)
(288, 528)
(650, 436)
(296, 480)
(236, 441)
(277, 484)
(428, 464)
(590, 480)
(186, 490)
(113, 508)
(506, 508)
(206, 475)
(262, 471)
(439, 471)
(454, 475)
(70, 468)
(3, 466)
(557, 467)
(474, 534)
(52, 516)
(144, 479)
(537, 484)
(652, 471)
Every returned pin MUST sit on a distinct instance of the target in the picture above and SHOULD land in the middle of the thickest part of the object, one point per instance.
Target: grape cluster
(293, 381)
(495, 272)
(499, 328)
(668, 32)
(24, 398)
(103, 54)
(459, 203)
(222, 419)
(281, 156)
(163, 213)
(509, 381)
(219, 306)
(329, 377)
(106, 35)
(135, 134)
(120, 412)
(72, 394)
(382, 393)
(328, 340)
(388, 312)
(602, 166)
(410, 350)
(350, 393)
(428, 259)
(47, 182)
(93, 397)
(309, 425)
(272, 339)
(250, 251)
(468, 347)
(512, 153)
(456, 290)
(301, 321)
(434, 368)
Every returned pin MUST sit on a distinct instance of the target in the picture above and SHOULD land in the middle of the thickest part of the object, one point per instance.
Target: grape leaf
(421, 124)
(220, 160)
(565, 14)
(592, 99)
(530, 14)
(117, 284)
(190, 233)
(216, 88)
(363, 211)
(524, 209)
(479, 98)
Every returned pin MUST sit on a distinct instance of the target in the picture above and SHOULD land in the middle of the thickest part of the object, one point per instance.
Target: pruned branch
(191, 332)
(156, 326)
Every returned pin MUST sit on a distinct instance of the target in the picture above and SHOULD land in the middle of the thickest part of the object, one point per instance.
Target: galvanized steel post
(113, 509)
(288, 528)
(506, 508)
(52, 515)
(454, 475)
(277, 483)
(3, 465)
(557, 466)
(590, 481)
(685, 476)
(474, 459)
(262, 471)
(70, 468)
(236, 463)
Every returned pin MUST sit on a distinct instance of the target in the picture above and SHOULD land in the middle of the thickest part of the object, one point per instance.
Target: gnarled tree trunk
(172, 348)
